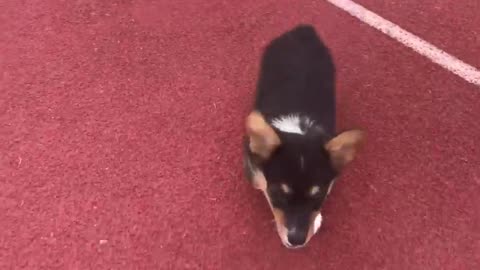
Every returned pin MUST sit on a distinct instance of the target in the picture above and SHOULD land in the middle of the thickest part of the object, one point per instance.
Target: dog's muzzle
(293, 238)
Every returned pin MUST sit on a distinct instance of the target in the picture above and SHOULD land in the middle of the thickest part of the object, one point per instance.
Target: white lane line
(436, 55)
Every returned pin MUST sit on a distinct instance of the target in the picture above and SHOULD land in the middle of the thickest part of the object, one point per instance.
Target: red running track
(121, 127)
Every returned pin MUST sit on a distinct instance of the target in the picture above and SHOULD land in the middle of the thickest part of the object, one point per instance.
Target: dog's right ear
(263, 139)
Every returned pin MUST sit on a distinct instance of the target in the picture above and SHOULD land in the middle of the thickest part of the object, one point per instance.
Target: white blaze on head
(317, 223)
(288, 123)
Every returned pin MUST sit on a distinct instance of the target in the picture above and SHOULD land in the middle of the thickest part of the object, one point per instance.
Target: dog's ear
(263, 139)
(344, 147)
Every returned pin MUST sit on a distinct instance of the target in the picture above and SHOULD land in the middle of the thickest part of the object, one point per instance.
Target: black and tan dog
(292, 153)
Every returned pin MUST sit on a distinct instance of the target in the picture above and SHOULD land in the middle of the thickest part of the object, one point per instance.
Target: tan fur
(259, 182)
(344, 147)
(314, 190)
(263, 139)
(286, 189)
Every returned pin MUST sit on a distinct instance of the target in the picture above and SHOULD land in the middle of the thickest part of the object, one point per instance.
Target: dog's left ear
(263, 139)
(345, 146)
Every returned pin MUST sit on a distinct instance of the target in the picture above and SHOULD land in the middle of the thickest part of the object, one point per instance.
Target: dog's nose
(296, 237)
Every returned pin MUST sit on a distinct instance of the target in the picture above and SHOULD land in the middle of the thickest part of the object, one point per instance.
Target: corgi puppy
(292, 152)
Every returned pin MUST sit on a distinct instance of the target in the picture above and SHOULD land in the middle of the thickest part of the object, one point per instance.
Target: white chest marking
(292, 123)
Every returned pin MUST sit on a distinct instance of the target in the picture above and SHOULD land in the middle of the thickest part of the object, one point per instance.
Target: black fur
(297, 76)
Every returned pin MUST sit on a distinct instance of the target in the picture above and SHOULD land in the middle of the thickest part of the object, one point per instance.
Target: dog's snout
(296, 237)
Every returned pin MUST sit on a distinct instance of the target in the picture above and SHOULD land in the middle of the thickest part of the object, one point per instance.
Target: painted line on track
(436, 55)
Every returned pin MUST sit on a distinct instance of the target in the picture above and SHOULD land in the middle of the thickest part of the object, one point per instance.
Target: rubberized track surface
(122, 121)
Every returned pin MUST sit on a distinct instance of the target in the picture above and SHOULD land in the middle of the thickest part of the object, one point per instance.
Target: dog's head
(296, 172)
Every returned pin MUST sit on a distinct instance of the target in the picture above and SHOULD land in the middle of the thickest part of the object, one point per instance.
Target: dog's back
(298, 76)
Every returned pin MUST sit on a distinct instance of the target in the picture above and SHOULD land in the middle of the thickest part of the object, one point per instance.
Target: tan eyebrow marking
(314, 190)
(285, 188)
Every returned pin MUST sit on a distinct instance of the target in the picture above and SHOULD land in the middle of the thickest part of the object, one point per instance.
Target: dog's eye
(280, 193)
(278, 197)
